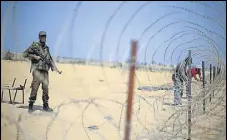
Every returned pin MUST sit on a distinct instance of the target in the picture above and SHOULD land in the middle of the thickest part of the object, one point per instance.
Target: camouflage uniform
(178, 78)
(177, 88)
(39, 72)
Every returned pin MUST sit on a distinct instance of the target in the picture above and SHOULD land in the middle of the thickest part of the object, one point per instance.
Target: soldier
(39, 69)
(179, 77)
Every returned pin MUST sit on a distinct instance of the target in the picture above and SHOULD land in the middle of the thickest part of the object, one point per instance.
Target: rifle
(53, 66)
(49, 62)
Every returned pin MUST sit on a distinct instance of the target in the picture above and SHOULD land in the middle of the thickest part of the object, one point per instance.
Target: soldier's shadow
(35, 107)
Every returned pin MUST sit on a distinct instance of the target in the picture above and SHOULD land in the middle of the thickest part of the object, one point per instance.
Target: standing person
(179, 77)
(41, 62)
(194, 72)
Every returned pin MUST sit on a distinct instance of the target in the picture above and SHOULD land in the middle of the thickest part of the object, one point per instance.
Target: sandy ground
(83, 96)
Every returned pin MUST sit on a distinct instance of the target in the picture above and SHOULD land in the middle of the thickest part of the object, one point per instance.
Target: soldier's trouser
(182, 84)
(39, 77)
(177, 88)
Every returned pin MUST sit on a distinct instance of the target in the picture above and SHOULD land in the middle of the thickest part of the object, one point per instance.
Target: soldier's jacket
(38, 64)
(181, 69)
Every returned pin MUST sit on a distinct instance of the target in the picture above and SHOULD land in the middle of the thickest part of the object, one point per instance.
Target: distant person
(38, 53)
(179, 77)
(196, 71)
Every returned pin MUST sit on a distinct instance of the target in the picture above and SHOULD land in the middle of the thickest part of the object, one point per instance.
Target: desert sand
(84, 96)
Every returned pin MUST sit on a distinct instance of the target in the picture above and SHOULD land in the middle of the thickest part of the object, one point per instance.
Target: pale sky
(79, 34)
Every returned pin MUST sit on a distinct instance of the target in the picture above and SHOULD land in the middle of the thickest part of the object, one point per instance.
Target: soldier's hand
(37, 57)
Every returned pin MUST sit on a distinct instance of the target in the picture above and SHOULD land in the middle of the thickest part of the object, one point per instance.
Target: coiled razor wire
(175, 125)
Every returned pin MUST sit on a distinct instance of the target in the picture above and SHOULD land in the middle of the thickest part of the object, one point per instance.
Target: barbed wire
(165, 125)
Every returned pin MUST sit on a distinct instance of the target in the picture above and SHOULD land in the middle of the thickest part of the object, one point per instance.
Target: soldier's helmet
(42, 33)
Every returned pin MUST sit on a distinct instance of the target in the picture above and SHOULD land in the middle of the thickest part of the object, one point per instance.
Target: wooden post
(130, 91)
(204, 94)
(189, 97)
(213, 77)
(210, 77)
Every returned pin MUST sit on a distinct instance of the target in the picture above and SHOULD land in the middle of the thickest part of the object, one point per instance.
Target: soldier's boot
(30, 107)
(47, 108)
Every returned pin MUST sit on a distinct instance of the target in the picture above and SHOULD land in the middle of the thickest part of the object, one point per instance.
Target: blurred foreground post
(130, 91)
